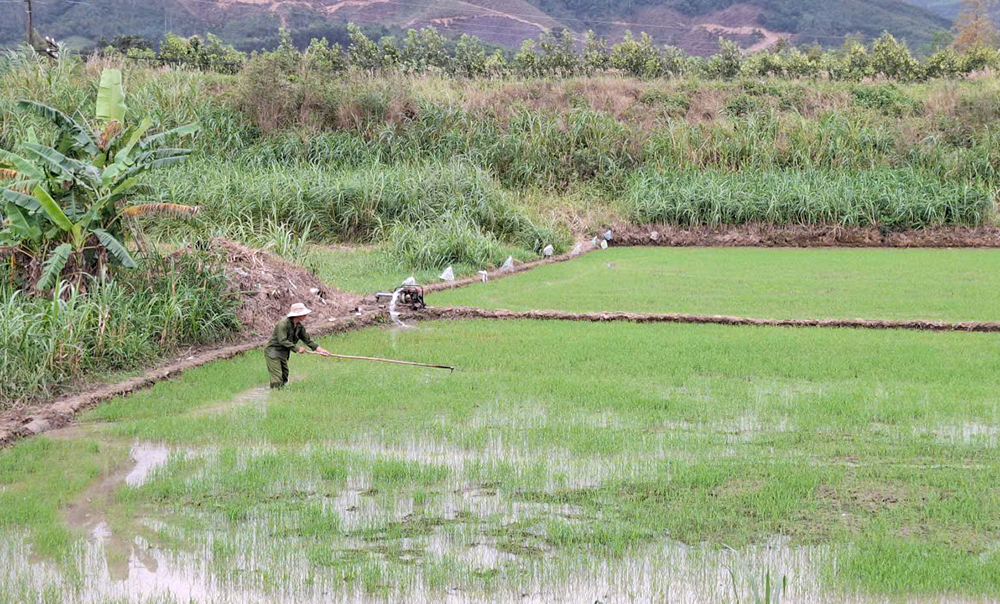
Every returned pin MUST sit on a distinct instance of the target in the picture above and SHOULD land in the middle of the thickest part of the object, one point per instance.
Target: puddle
(355, 509)
(88, 512)
(968, 433)
(667, 571)
(147, 458)
(74, 432)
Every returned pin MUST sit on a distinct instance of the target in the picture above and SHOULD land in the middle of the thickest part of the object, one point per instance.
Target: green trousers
(278, 370)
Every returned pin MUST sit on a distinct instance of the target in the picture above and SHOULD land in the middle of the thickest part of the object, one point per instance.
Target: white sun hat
(298, 310)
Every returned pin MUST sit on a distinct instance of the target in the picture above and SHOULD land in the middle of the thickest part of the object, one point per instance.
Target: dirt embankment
(268, 286)
(761, 235)
(462, 312)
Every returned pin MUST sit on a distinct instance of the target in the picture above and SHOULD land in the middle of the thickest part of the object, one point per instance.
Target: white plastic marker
(655, 235)
(448, 275)
(485, 276)
(508, 265)
(604, 245)
(410, 281)
(548, 251)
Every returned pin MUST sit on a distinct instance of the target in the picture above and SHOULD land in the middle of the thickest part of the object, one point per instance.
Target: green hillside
(812, 20)
(946, 8)
(693, 25)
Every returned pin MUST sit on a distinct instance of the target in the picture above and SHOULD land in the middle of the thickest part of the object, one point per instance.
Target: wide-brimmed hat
(298, 310)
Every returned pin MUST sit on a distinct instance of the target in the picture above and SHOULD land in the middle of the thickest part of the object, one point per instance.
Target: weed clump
(885, 199)
(118, 325)
(431, 214)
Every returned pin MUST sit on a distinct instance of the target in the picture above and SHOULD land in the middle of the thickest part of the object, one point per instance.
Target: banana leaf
(72, 135)
(116, 249)
(23, 166)
(163, 209)
(52, 209)
(20, 199)
(57, 162)
(53, 267)
(111, 96)
(22, 227)
(184, 130)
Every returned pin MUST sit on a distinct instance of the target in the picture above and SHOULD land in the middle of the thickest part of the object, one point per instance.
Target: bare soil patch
(268, 286)
(763, 235)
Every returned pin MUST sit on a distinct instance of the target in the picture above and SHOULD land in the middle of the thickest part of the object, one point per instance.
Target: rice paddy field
(561, 461)
(925, 284)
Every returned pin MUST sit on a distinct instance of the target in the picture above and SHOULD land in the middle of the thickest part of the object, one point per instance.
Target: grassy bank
(561, 450)
(121, 324)
(603, 137)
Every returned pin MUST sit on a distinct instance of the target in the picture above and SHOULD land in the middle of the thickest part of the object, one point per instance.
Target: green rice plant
(768, 593)
(923, 285)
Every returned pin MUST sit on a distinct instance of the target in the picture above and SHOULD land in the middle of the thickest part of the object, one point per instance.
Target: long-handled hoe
(345, 356)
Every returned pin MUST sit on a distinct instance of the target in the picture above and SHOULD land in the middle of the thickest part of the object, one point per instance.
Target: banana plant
(62, 200)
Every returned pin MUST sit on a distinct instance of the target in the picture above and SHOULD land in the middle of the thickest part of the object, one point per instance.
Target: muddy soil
(462, 312)
(762, 235)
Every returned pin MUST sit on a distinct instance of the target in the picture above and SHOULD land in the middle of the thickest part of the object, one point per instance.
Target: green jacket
(285, 337)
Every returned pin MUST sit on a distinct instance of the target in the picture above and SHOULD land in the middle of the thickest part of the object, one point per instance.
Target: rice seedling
(946, 284)
(547, 460)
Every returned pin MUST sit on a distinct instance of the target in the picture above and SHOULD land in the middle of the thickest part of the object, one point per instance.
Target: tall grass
(118, 324)
(410, 204)
(889, 199)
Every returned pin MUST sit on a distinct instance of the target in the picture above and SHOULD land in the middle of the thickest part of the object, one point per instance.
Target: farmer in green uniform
(287, 333)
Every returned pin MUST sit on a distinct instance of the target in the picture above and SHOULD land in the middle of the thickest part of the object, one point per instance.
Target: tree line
(561, 54)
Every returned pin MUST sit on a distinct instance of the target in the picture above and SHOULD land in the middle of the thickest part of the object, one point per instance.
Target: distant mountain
(693, 25)
(949, 9)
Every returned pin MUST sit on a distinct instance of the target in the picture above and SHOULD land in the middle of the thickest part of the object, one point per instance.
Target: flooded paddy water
(560, 463)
